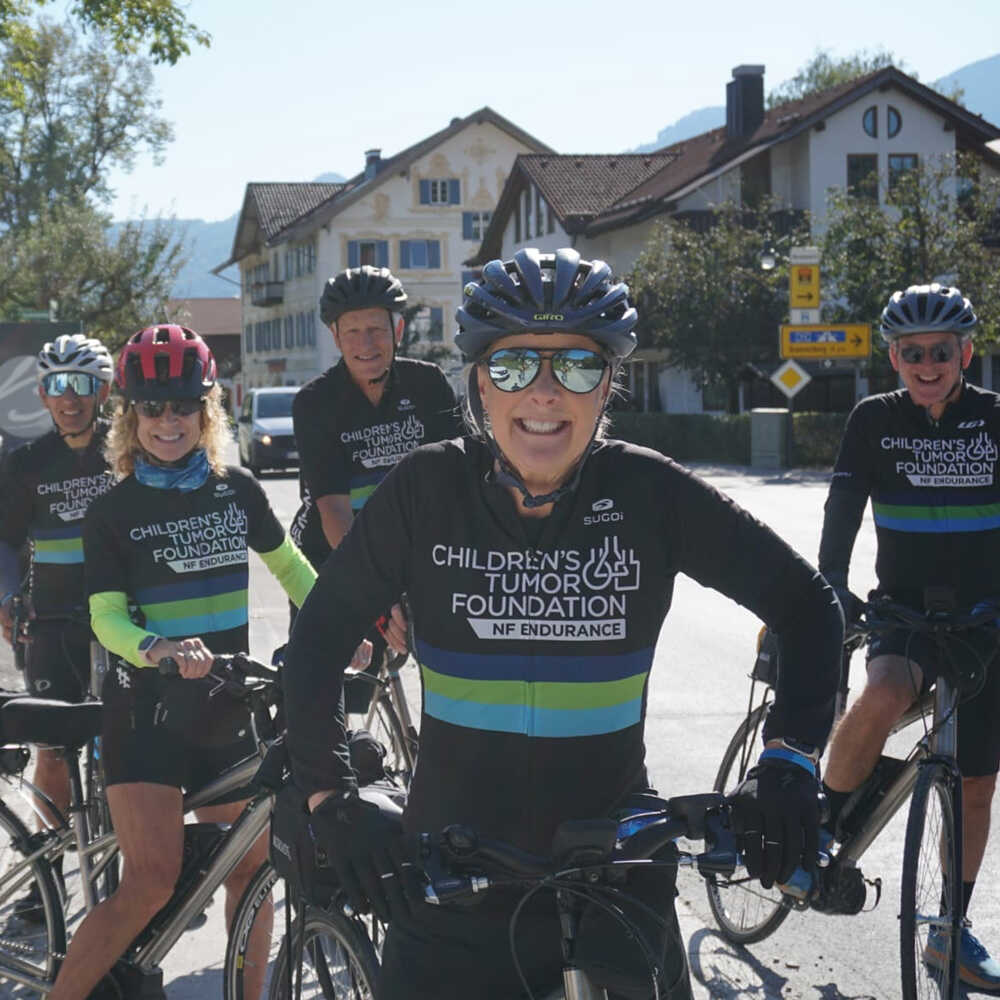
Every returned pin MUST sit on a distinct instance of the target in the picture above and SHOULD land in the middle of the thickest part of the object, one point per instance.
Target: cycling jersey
(45, 489)
(535, 649)
(347, 444)
(935, 493)
(182, 556)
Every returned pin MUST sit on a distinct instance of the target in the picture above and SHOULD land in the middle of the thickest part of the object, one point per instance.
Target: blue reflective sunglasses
(512, 369)
(83, 384)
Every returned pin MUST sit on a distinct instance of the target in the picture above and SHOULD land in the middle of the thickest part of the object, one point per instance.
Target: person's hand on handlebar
(362, 656)
(776, 813)
(193, 657)
(396, 630)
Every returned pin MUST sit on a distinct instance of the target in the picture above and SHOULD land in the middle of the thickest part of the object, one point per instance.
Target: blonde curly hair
(123, 439)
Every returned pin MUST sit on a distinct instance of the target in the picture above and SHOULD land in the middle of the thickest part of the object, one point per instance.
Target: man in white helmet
(46, 486)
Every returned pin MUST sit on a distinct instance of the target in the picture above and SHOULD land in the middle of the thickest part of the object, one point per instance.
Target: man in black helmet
(927, 455)
(354, 422)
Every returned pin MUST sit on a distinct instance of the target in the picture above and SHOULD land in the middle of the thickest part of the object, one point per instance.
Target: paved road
(695, 703)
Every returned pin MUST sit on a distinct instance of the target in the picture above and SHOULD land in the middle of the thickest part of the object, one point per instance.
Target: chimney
(373, 161)
(744, 101)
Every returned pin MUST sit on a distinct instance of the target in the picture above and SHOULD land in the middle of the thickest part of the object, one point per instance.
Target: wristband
(790, 756)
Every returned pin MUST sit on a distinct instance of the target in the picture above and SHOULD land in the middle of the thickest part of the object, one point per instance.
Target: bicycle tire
(743, 909)
(262, 885)
(931, 894)
(338, 960)
(27, 948)
(382, 721)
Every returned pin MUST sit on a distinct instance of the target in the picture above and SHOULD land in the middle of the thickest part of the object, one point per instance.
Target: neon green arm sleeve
(291, 569)
(114, 629)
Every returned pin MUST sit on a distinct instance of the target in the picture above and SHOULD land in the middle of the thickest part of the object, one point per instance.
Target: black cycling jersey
(935, 493)
(347, 445)
(45, 489)
(535, 653)
(182, 557)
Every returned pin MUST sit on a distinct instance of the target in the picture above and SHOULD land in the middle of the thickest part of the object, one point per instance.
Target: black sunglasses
(913, 354)
(576, 369)
(153, 408)
(57, 383)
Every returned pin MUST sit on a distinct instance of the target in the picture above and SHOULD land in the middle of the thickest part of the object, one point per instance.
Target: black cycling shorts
(137, 746)
(57, 661)
(454, 953)
(978, 731)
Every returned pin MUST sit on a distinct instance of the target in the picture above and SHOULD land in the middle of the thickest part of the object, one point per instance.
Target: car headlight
(263, 438)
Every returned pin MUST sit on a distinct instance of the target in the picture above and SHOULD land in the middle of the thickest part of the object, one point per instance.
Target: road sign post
(790, 378)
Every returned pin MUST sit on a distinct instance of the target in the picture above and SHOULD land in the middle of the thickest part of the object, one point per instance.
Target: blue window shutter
(353, 254)
(454, 191)
(404, 253)
(433, 253)
(467, 226)
(425, 192)
(382, 253)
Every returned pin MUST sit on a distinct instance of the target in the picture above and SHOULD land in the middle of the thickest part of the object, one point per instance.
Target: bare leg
(857, 744)
(149, 821)
(52, 778)
(259, 944)
(977, 796)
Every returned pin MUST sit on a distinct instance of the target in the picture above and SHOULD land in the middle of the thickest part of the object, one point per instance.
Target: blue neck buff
(185, 476)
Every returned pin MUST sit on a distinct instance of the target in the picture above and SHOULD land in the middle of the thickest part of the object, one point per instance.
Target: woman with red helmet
(172, 538)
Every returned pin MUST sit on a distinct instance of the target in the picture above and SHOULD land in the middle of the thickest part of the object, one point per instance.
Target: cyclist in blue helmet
(539, 558)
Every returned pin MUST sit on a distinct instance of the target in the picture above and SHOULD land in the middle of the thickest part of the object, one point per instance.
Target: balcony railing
(267, 293)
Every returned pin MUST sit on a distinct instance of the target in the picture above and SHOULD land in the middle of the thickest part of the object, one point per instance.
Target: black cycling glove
(366, 850)
(850, 604)
(776, 812)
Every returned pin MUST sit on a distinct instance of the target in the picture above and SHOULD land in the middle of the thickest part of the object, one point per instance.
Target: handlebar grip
(168, 667)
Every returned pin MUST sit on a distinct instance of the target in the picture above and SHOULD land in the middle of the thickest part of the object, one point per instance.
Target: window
(373, 252)
(517, 223)
(894, 122)
(862, 176)
(899, 164)
(289, 332)
(420, 254)
(538, 214)
(248, 338)
(441, 191)
(869, 121)
(311, 328)
(526, 201)
(427, 324)
(475, 224)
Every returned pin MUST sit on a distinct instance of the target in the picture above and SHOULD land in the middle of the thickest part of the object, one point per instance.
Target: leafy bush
(688, 437)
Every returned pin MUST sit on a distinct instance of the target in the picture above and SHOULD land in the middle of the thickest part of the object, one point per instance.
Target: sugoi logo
(224, 490)
(541, 317)
(603, 514)
(405, 404)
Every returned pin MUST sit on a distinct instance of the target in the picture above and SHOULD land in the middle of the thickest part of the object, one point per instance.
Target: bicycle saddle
(53, 723)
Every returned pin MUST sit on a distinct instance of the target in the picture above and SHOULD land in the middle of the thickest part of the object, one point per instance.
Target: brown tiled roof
(278, 205)
(206, 315)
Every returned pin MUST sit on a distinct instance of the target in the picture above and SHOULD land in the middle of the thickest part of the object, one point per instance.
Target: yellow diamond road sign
(790, 377)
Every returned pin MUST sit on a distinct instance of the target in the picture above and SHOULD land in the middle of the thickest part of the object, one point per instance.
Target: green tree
(159, 26)
(84, 108)
(939, 222)
(704, 296)
(823, 72)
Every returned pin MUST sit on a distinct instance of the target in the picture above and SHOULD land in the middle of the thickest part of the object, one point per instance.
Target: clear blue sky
(289, 90)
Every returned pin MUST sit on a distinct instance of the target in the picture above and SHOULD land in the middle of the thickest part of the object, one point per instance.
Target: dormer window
(894, 122)
(869, 121)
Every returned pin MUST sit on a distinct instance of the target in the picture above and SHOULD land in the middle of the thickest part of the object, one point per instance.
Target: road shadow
(196, 985)
(729, 971)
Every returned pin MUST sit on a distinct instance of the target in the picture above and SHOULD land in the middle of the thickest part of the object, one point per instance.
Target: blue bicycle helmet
(927, 309)
(546, 293)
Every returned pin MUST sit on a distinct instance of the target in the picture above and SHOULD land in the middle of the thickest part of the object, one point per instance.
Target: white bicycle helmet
(75, 352)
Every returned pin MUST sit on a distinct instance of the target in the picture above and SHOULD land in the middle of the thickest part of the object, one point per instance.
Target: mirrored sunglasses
(913, 354)
(56, 383)
(153, 408)
(514, 368)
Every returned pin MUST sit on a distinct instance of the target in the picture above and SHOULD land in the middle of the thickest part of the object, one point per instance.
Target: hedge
(707, 437)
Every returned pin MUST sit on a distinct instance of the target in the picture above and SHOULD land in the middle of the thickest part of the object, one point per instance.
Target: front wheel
(744, 910)
(930, 914)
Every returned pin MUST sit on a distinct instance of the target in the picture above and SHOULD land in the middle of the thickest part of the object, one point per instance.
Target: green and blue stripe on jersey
(62, 546)
(196, 607)
(910, 512)
(534, 695)
(363, 486)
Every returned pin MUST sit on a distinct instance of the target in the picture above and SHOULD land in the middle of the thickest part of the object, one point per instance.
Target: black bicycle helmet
(364, 287)
(927, 309)
(546, 293)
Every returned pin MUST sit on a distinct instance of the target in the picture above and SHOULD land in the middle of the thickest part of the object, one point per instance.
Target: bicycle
(931, 876)
(589, 861)
(211, 851)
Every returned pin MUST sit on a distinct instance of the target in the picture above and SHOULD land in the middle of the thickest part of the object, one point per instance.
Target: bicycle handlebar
(231, 671)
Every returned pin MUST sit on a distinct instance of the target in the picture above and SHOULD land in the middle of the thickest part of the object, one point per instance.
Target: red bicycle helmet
(165, 362)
